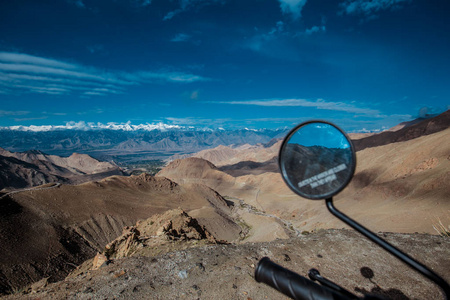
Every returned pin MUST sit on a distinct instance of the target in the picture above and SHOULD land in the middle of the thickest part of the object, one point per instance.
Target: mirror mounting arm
(411, 262)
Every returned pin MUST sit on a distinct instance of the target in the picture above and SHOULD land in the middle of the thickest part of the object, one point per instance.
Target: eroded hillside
(400, 187)
(48, 232)
(33, 168)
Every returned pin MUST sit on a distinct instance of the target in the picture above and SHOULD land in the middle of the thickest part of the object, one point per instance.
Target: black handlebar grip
(291, 284)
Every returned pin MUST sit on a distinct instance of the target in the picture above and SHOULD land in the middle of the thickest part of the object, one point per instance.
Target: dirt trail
(37, 188)
(246, 212)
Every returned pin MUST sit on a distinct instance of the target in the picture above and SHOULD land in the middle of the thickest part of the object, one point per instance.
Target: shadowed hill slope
(32, 168)
(47, 232)
(228, 155)
(75, 163)
(20, 174)
(425, 127)
(251, 167)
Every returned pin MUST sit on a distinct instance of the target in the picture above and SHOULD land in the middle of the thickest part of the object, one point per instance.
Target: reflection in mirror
(317, 160)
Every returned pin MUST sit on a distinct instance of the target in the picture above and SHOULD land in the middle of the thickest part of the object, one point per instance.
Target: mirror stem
(390, 248)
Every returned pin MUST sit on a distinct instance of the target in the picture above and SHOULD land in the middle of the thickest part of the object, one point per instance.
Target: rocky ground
(225, 271)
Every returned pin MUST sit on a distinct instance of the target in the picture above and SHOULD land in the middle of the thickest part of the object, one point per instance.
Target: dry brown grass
(440, 228)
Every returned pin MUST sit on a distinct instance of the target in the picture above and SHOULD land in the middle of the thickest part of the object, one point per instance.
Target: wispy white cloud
(141, 3)
(186, 5)
(24, 73)
(197, 121)
(260, 40)
(133, 3)
(172, 14)
(370, 8)
(315, 29)
(281, 40)
(167, 76)
(77, 3)
(292, 7)
(96, 110)
(26, 59)
(181, 37)
(194, 95)
(5, 113)
(318, 104)
(95, 48)
(21, 116)
(376, 123)
(30, 119)
(94, 94)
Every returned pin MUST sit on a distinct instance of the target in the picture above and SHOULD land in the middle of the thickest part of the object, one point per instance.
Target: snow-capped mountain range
(114, 126)
(113, 141)
(94, 126)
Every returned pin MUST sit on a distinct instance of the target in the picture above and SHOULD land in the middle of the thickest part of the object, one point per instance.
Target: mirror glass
(317, 160)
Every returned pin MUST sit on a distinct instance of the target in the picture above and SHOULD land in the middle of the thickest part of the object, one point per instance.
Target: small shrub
(441, 229)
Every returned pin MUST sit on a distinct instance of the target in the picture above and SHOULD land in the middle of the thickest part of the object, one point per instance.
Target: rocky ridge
(33, 168)
(161, 233)
(409, 131)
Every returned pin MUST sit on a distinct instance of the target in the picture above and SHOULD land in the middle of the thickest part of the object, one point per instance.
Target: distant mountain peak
(95, 126)
(128, 126)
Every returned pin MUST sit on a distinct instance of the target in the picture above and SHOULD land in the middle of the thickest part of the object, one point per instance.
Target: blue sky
(222, 63)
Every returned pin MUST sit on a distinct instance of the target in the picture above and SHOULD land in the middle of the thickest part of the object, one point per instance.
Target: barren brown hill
(227, 155)
(20, 174)
(406, 124)
(32, 168)
(251, 167)
(249, 192)
(47, 232)
(399, 187)
(76, 163)
(406, 133)
(359, 135)
(196, 170)
(218, 154)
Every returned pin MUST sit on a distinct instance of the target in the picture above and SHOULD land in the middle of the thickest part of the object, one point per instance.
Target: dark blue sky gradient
(362, 64)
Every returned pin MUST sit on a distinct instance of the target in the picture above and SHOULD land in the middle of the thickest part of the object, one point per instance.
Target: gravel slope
(226, 271)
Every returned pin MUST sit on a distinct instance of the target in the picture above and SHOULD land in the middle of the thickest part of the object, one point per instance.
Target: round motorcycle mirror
(317, 160)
